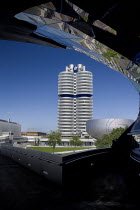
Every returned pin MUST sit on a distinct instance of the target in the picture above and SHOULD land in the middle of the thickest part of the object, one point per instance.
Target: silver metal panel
(98, 127)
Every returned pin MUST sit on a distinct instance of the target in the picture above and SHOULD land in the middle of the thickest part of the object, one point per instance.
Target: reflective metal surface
(69, 25)
(98, 127)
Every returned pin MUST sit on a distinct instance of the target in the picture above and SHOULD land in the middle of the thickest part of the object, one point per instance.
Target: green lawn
(58, 149)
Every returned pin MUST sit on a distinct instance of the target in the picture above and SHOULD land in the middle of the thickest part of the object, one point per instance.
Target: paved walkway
(22, 189)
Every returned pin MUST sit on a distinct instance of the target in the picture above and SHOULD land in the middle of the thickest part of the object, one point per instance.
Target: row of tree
(54, 138)
(107, 139)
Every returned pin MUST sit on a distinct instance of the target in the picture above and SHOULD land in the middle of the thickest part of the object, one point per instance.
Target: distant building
(33, 133)
(33, 137)
(9, 130)
(75, 100)
(98, 127)
(66, 141)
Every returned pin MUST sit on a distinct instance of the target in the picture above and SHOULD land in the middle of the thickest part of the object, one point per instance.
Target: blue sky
(29, 79)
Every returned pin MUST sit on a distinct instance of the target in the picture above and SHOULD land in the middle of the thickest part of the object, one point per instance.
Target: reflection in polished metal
(98, 127)
(71, 26)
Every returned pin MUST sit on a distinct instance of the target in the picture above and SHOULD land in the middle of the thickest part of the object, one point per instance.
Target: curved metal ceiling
(106, 31)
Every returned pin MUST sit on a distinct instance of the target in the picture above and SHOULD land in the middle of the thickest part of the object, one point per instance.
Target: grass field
(59, 149)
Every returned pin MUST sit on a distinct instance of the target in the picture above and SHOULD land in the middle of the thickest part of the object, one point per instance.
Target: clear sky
(29, 80)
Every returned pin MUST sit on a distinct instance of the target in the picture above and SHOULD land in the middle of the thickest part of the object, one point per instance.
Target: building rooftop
(7, 121)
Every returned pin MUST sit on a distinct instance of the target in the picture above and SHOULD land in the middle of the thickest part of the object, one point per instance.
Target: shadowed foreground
(24, 189)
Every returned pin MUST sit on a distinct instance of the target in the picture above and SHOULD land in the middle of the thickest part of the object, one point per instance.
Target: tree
(106, 140)
(75, 141)
(54, 138)
(37, 142)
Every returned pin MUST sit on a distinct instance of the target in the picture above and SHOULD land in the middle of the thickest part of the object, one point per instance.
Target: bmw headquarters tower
(75, 100)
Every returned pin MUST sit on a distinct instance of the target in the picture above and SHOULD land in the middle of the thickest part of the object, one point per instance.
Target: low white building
(66, 142)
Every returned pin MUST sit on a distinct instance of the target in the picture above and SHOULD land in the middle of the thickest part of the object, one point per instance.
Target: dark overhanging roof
(107, 31)
(15, 30)
(122, 16)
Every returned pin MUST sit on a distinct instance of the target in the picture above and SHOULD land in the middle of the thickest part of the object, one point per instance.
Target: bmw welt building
(75, 100)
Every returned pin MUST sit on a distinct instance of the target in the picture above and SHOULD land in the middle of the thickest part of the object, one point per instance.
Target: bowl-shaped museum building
(98, 127)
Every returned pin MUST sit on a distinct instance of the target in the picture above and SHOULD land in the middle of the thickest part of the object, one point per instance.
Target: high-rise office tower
(75, 100)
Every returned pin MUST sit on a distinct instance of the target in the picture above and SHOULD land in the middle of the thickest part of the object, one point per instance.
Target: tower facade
(75, 100)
